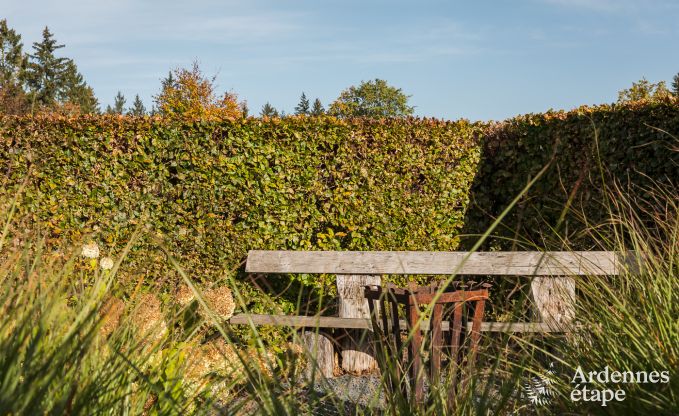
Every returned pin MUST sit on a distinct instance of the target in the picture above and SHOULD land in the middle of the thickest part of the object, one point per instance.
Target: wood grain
(358, 323)
(320, 354)
(508, 263)
(357, 354)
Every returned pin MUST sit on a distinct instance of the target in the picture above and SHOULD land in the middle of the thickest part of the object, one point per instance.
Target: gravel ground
(363, 391)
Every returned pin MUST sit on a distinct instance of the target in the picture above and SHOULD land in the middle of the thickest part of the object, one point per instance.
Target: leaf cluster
(216, 190)
(586, 151)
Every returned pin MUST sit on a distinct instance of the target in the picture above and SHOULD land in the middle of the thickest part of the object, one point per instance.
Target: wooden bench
(552, 288)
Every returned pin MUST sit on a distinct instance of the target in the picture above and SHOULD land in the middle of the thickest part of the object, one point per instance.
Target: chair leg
(415, 347)
(476, 327)
(396, 332)
(456, 335)
(436, 343)
(475, 337)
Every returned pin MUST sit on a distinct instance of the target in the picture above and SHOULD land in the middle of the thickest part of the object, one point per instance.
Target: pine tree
(303, 106)
(244, 109)
(317, 109)
(45, 73)
(675, 85)
(119, 103)
(75, 91)
(12, 59)
(137, 108)
(109, 109)
(167, 82)
(268, 111)
(13, 100)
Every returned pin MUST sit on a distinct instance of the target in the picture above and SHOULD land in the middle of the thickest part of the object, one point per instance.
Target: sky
(479, 60)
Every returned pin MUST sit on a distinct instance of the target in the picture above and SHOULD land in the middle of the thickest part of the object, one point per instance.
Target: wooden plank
(359, 323)
(357, 354)
(320, 354)
(554, 300)
(297, 321)
(508, 263)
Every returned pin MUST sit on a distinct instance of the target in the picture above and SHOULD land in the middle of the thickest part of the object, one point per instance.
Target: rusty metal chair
(459, 303)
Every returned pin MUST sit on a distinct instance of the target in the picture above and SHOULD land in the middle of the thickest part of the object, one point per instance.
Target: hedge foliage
(588, 150)
(216, 190)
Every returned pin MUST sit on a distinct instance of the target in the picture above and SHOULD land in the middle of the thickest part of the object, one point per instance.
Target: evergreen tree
(244, 109)
(119, 103)
(12, 59)
(268, 111)
(167, 82)
(675, 85)
(54, 83)
(303, 106)
(13, 100)
(45, 72)
(109, 109)
(317, 109)
(76, 92)
(137, 108)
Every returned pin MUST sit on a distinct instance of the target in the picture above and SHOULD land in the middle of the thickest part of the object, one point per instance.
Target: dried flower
(184, 295)
(220, 300)
(111, 312)
(149, 318)
(90, 250)
(106, 263)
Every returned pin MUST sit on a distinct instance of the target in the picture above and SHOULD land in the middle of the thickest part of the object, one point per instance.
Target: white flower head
(90, 250)
(106, 263)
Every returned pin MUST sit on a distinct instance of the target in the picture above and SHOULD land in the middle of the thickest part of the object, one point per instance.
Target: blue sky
(474, 59)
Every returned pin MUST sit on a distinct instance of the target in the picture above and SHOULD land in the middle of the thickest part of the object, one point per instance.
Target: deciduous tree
(188, 94)
(644, 90)
(372, 99)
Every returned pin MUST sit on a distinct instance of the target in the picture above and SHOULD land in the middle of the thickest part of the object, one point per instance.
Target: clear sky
(473, 59)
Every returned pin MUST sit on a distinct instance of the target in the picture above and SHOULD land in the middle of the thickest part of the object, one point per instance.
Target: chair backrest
(464, 304)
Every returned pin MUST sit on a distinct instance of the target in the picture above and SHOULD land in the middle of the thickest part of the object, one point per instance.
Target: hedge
(216, 190)
(587, 150)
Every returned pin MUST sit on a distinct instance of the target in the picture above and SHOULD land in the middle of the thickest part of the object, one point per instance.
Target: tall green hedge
(217, 190)
(586, 150)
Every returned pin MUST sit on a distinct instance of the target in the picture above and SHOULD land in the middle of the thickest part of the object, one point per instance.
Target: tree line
(39, 81)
